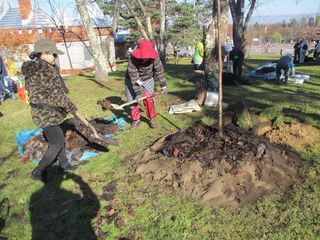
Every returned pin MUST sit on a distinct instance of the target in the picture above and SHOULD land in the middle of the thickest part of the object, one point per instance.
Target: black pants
(56, 148)
(237, 67)
(296, 55)
(286, 73)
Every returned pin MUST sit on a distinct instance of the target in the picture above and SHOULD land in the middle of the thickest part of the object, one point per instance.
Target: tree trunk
(98, 55)
(220, 68)
(211, 63)
(67, 51)
(148, 19)
(163, 31)
(240, 23)
(108, 44)
(201, 86)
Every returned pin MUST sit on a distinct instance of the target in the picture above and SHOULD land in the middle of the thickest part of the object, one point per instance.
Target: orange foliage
(13, 41)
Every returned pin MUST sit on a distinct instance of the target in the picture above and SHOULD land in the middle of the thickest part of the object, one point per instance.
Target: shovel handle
(140, 99)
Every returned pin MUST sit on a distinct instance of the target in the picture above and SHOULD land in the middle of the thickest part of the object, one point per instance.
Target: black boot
(36, 174)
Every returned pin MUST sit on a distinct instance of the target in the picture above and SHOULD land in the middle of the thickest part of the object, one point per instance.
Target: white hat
(228, 48)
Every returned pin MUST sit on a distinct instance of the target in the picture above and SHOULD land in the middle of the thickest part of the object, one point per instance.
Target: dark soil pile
(78, 138)
(196, 162)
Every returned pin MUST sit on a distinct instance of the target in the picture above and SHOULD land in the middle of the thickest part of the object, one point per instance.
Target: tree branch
(232, 5)
(126, 17)
(140, 26)
(252, 5)
(148, 18)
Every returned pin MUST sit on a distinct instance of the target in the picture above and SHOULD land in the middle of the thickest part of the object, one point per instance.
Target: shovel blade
(116, 107)
(109, 141)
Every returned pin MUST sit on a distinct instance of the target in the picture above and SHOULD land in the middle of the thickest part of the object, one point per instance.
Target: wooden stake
(220, 70)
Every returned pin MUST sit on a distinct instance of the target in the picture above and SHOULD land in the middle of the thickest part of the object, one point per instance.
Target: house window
(87, 50)
(40, 31)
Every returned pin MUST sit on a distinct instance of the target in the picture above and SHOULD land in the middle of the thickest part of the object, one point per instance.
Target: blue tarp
(24, 136)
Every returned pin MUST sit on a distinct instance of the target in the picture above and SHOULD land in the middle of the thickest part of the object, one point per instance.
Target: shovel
(120, 107)
(97, 137)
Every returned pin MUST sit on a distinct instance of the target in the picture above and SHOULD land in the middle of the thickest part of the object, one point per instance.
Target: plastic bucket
(211, 99)
(22, 93)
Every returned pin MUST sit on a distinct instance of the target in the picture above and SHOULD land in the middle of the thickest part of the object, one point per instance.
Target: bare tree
(108, 44)
(56, 16)
(215, 32)
(148, 19)
(163, 38)
(211, 43)
(137, 19)
(220, 67)
(240, 22)
(98, 55)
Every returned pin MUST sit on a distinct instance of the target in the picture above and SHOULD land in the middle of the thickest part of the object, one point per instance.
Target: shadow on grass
(4, 212)
(300, 115)
(179, 71)
(56, 213)
(7, 156)
(100, 84)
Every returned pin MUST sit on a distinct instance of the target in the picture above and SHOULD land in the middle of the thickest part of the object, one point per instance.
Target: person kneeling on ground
(49, 104)
(285, 63)
(143, 65)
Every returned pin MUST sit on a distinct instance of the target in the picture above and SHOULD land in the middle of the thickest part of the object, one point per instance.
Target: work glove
(164, 90)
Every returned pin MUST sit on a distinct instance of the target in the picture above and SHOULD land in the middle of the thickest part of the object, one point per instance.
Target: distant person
(176, 55)
(198, 56)
(303, 51)
(285, 63)
(316, 52)
(296, 49)
(144, 66)
(236, 56)
(6, 84)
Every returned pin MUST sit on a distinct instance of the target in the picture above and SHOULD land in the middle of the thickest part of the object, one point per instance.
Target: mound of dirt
(196, 162)
(295, 135)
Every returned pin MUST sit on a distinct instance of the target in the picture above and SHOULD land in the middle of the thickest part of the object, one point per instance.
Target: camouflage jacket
(45, 88)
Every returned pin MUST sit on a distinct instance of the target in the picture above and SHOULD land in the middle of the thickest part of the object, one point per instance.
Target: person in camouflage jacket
(49, 103)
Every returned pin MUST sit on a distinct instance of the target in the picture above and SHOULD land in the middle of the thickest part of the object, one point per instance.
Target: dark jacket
(285, 62)
(48, 101)
(138, 71)
(236, 54)
(3, 71)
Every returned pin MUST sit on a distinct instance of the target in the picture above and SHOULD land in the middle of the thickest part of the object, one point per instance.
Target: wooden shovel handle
(140, 99)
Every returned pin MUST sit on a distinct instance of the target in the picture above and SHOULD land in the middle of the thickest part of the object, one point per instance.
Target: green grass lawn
(71, 206)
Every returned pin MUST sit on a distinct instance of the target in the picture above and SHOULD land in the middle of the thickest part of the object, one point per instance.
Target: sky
(267, 8)
(288, 7)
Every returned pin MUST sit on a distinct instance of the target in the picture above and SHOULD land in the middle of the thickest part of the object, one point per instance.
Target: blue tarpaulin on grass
(23, 137)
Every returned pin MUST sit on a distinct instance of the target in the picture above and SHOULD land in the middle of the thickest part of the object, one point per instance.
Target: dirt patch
(105, 104)
(196, 162)
(295, 135)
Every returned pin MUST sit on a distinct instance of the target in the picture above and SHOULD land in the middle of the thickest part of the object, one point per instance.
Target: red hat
(145, 50)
